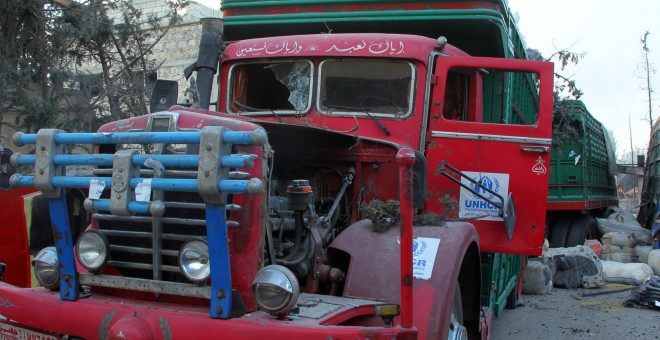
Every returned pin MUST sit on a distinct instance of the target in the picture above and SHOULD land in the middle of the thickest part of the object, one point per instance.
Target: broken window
(270, 86)
(378, 87)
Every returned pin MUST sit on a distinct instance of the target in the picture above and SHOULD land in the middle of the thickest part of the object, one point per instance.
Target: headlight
(194, 260)
(92, 250)
(276, 290)
(46, 268)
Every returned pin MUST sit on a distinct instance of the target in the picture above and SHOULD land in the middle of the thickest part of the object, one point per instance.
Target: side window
(456, 95)
(491, 96)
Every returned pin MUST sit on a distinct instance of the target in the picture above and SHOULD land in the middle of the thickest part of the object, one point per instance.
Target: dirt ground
(566, 314)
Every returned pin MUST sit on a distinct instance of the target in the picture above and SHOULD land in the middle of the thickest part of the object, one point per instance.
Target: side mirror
(164, 95)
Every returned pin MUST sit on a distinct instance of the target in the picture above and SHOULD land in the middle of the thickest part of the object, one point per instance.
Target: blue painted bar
(192, 137)
(233, 186)
(134, 207)
(64, 243)
(216, 231)
(179, 161)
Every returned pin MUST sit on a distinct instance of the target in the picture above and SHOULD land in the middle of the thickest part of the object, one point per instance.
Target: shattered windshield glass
(355, 87)
(270, 86)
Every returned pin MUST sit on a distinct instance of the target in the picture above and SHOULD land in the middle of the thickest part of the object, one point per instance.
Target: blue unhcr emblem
(492, 184)
(418, 247)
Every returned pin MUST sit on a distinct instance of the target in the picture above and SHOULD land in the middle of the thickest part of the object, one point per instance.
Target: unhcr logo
(487, 182)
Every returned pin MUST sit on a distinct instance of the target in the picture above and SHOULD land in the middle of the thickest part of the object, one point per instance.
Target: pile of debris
(623, 255)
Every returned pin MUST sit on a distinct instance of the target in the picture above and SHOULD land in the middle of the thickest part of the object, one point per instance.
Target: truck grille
(135, 239)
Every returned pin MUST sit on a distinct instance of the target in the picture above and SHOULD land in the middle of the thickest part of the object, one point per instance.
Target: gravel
(566, 314)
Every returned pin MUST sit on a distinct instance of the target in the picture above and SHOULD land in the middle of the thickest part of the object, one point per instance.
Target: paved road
(565, 314)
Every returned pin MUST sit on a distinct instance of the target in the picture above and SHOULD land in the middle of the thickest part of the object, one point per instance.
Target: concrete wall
(178, 48)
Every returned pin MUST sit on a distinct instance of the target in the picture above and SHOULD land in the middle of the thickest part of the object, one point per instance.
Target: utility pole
(632, 151)
(648, 68)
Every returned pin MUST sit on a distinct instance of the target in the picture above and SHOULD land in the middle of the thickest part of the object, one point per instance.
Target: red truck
(250, 221)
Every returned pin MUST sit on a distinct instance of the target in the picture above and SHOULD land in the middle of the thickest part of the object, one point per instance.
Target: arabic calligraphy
(285, 48)
(539, 168)
(374, 47)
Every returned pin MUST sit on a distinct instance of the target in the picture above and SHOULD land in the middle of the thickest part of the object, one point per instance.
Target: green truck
(582, 184)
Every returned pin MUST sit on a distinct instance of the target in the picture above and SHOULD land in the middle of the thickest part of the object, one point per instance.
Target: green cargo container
(500, 278)
(582, 184)
(486, 29)
(582, 173)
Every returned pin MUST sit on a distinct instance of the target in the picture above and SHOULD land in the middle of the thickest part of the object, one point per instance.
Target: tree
(565, 89)
(73, 64)
(647, 71)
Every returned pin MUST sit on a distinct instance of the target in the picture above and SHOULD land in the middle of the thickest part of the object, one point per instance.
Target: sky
(610, 73)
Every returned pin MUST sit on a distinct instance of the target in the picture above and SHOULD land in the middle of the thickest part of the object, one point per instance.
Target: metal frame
(213, 183)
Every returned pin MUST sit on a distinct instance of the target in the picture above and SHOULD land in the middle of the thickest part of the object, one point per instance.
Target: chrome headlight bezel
(276, 281)
(46, 266)
(95, 254)
(191, 251)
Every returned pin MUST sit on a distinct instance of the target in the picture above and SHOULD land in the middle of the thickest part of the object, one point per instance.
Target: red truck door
(491, 119)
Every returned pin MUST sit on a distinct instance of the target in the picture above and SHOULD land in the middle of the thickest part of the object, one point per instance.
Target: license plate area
(13, 332)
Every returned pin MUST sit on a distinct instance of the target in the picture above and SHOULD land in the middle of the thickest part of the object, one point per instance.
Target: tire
(584, 227)
(456, 328)
(512, 299)
(559, 233)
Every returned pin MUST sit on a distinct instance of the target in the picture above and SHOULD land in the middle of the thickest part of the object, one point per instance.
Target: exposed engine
(308, 208)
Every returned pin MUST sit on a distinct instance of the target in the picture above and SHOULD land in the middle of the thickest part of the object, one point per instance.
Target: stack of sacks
(617, 247)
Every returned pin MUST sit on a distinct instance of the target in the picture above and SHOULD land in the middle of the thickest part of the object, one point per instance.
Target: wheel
(559, 233)
(456, 328)
(512, 299)
(584, 227)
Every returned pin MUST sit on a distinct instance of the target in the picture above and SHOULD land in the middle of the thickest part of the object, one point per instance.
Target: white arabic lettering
(349, 49)
(375, 47)
(285, 47)
(252, 49)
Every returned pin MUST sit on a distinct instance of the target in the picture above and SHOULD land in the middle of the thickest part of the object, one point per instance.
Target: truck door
(491, 122)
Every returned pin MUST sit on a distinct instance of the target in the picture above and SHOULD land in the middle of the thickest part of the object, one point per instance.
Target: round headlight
(46, 268)
(276, 290)
(92, 250)
(194, 260)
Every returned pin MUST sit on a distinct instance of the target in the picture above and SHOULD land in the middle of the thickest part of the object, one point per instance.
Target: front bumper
(107, 317)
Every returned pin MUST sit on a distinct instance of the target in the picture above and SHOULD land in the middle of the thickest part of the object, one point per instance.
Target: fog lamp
(92, 250)
(276, 290)
(194, 260)
(46, 268)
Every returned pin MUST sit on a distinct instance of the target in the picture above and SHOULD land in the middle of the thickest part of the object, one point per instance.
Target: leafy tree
(73, 64)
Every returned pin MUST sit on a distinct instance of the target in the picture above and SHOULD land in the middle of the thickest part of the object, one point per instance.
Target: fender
(374, 272)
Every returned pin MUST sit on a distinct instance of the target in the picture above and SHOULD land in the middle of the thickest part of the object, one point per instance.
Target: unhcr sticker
(472, 206)
(424, 251)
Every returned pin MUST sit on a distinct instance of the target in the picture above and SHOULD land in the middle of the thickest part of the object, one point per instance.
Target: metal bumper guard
(214, 181)
(103, 317)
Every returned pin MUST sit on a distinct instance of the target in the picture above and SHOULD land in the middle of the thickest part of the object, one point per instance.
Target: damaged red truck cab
(250, 221)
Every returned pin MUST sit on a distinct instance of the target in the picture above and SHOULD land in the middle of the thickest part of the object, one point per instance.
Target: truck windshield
(265, 87)
(383, 88)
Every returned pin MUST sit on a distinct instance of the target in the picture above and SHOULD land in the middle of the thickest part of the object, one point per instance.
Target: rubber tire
(559, 233)
(457, 308)
(514, 296)
(584, 227)
(512, 299)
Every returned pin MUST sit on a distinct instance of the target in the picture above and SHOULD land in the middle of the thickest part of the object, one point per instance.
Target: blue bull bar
(214, 181)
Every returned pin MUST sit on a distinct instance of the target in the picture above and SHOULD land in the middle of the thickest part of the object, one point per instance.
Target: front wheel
(456, 329)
